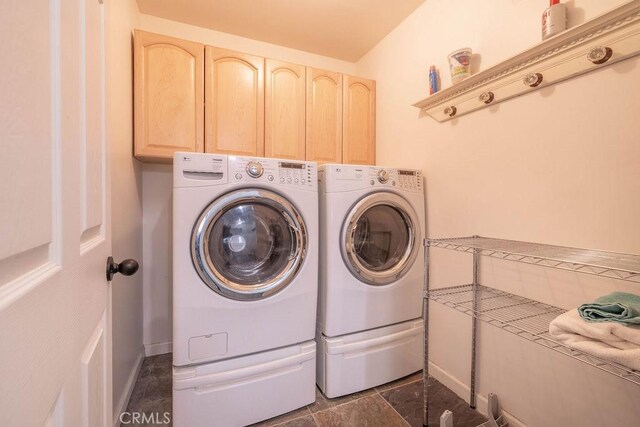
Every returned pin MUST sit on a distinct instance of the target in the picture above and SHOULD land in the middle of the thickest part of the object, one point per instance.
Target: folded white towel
(607, 340)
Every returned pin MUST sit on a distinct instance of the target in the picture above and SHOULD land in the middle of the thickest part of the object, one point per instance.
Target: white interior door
(54, 230)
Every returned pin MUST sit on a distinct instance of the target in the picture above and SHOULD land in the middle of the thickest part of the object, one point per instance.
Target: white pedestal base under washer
(245, 390)
(354, 362)
(245, 265)
(372, 221)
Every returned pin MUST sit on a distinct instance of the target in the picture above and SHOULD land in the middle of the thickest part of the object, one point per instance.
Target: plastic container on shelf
(554, 19)
(460, 64)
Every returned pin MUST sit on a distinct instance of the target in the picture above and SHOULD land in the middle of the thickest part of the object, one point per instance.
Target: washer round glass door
(248, 244)
(379, 238)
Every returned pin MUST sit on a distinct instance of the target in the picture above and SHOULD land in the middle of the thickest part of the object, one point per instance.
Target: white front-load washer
(245, 265)
(369, 331)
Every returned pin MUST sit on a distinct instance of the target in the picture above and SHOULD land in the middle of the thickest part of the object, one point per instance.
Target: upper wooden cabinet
(284, 110)
(234, 109)
(192, 97)
(359, 121)
(169, 96)
(324, 116)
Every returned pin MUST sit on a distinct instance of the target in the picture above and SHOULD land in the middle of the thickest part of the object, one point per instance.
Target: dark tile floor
(395, 404)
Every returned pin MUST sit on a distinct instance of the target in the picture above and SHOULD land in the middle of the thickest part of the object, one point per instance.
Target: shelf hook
(486, 97)
(599, 55)
(450, 111)
(532, 79)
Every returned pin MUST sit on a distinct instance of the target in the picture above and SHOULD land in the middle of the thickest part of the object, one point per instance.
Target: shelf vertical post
(474, 323)
(425, 318)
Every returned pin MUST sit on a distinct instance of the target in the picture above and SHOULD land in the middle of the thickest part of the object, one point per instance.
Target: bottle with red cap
(554, 19)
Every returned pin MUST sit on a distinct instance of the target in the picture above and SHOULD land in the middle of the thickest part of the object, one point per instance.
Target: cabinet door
(169, 96)
(234, 106)
(324, 116)
(359, 121)
(285, 110)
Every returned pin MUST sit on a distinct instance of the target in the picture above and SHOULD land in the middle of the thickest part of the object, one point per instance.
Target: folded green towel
(617, 307)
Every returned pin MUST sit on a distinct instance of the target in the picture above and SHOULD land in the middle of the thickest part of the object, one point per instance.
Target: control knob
(254, 169)
(383, 176)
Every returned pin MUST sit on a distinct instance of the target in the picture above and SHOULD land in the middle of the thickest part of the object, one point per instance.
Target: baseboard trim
(158, 348)
(131, 383)
(462, 390)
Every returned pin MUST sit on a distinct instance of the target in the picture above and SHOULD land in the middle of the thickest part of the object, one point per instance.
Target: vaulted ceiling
(343, 29)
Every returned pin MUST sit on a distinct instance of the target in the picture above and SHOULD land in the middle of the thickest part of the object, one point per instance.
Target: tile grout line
(341, 404)
(313, 414)
(313, 417)
(391, 406)
(398, 386)
(296, 418)
(375, 391)
(345, 403)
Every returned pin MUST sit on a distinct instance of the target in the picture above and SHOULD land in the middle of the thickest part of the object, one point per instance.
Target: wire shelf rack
(600, 263)
(521, 316)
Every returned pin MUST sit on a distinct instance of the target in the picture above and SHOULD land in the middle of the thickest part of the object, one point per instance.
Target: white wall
(157, 179)
(157, 249)
(126, 205)
(559, 165)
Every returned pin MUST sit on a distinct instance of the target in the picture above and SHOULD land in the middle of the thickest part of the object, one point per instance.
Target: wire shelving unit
(521, 316)
(600, 263)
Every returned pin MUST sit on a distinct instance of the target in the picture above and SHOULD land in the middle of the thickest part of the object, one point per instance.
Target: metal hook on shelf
(451, 111)
(532, 79)
(600, 54)
(486, 97)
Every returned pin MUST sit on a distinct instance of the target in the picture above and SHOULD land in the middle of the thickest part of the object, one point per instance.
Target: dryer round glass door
(379, 238)
(248, 244)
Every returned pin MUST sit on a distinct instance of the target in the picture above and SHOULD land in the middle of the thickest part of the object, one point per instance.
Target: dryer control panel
(273, 171)
(350, 177)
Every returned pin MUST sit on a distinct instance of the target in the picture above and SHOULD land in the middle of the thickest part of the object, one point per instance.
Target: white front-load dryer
(372, 223)
(245, 265)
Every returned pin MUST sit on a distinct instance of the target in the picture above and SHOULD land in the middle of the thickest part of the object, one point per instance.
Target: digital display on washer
(291, 165)
(401, 172)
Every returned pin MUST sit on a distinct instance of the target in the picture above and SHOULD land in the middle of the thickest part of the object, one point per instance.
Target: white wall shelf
(604, 40)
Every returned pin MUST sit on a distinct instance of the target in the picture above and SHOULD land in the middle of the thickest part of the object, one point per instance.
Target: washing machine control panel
(273, 171)
(383, 176)
(404, 179)
(254, 169)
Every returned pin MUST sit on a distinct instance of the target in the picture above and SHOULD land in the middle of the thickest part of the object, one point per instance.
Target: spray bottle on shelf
(433, 80)
(554, 19)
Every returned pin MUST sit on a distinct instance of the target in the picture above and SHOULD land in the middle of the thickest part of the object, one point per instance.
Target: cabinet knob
(532, 79)
(599, 54)
(450, 111)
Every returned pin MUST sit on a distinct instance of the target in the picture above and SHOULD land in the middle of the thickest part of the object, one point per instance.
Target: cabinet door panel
(234, 106)
(169, 96)
(285, 110)
(324, 116)
(359, 125)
